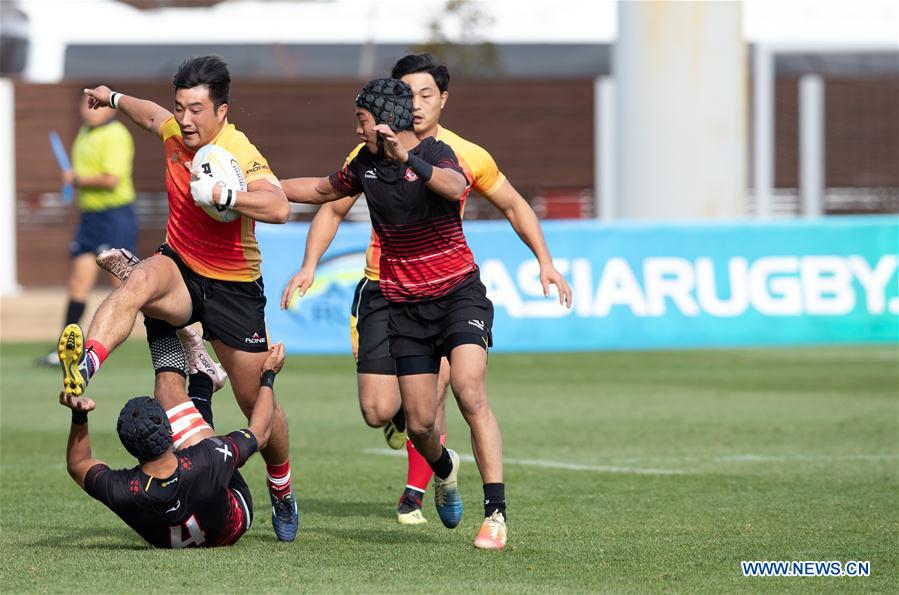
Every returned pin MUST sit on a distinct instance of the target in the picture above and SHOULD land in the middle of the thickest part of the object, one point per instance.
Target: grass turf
(680, 465)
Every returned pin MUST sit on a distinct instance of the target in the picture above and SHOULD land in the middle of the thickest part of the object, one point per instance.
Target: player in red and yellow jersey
(208, 271)
(379, 394)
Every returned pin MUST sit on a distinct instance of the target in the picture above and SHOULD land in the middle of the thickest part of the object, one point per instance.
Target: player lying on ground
(194, 496)
(379, 394)
(437, 303)
(208, 271)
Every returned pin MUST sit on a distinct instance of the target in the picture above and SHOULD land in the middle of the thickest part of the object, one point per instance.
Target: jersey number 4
(187, 534)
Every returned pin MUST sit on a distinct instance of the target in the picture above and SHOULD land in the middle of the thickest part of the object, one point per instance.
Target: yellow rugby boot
(71, 351)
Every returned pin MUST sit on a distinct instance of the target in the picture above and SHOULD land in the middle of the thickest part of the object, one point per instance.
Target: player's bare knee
(420, 423)
(420, 429)
(472, 400)
(375, 417)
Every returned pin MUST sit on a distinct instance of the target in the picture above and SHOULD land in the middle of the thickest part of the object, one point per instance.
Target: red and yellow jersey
(479, 167)
(214, 249)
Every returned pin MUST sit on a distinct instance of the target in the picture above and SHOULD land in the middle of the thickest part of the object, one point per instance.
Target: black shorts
(368, 330)
(232, 312)
(426, 329)
(101, 230)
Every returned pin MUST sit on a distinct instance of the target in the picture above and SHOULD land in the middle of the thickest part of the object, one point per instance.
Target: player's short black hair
(209, 71)
(144, 428)
(422, 63)
(389, 101)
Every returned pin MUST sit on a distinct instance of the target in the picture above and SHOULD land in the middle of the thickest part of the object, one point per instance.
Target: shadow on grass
(388, 535)
(90, 538)
(335, 508)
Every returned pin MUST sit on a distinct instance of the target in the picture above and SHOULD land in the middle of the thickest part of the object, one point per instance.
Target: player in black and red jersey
(437, 304)
(192, 497)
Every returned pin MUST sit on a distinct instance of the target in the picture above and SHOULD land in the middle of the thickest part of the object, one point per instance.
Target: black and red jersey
(192, 508)
(424, 254)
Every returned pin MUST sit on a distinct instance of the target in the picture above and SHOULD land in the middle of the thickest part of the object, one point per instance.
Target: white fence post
(811, 144)
(9, 282)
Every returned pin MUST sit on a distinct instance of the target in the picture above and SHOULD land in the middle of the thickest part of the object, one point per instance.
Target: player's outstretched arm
(78, 450)
(146, 114)
(525, 223)
(313, 191)
(261, 419)
(321, 234)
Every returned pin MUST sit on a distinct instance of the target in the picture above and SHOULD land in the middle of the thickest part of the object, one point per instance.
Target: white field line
(635, 464)
(751, 458)
(553, 464)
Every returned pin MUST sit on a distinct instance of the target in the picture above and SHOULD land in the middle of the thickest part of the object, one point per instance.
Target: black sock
(494, 498)
(199, 389)
(399, 420)
(443, 466)
(74, 311)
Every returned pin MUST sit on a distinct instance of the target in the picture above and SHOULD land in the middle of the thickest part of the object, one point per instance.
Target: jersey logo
(371, 174)
(256, 167)
(226, 452)
(410, 175)
(174, 508)
(479, 324)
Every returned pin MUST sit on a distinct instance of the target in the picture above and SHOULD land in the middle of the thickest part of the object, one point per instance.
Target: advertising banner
(635, 285)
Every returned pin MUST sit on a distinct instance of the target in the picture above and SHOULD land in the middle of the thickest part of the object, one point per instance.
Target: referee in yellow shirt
(102, 160)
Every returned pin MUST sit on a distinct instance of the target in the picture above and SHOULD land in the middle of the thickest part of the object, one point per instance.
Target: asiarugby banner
(635, 285)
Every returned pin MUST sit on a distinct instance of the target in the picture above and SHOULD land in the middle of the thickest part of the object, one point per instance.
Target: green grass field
(626, 472)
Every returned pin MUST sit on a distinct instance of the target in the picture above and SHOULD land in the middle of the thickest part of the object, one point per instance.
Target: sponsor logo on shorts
(255, 339)
(371, 174)
(410, 175)
(479, 324)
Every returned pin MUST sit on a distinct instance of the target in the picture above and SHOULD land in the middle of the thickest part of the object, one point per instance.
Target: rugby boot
(396, 438)
(285, 516)
(118, 261)
(492, 535)
(446, 495)
(70, 350)
(199, 360)
(408, 511)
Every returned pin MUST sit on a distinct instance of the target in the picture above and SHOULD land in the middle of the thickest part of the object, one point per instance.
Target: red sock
(97, 354)
(278, 479)
(419, 471)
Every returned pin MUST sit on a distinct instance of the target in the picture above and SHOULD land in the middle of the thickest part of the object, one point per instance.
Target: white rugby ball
(221, 166)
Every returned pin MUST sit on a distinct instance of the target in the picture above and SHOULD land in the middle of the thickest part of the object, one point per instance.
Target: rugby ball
(221, 166)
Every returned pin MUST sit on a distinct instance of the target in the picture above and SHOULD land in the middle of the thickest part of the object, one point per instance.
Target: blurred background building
(589, 107)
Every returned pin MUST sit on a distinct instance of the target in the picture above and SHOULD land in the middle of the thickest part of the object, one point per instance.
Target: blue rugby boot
(446, 495)
(285, 516)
